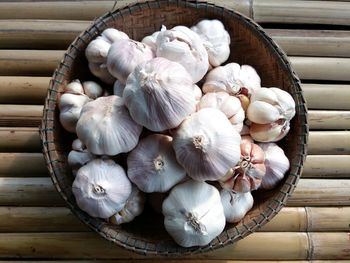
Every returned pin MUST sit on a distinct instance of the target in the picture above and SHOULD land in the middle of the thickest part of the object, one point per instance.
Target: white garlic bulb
(197, 93)
(92, 89)
(74, 87)
(207, 145)
(152, 165)
(105, 127)
(277, 164)
(133, 207)
(70, 106)
(193, 214)
(271, 132)
(236, 205)
(100, 71)
(97, 50)
(124, 55)
(111, 35)
(182, 45)
(151, 40)
(101, 188)
(232, 78)
(118, 88)
(268, 105)
(229, 105)
(78, 156)
(215, 39)
(159, 94)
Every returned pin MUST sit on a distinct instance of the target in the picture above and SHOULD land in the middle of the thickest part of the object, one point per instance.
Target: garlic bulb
(236, 205)
(105, 127)
(124, 55)
(92, 89)
(215, 39)
(70, 106)
(152, 165)
(96, 51)
(111, 35)
(197, 93)
(232, 78)
(78, 156)
(207, 145)
(193, 214)
(133, 207)
(277, 164)
(269, 105)
(247, 175)
(182, 45)
(229, 105)
(159, 94)
(74, 87)
(101, 188)
(100, 71)
(118, 88)
(271, 132)
(151, 40)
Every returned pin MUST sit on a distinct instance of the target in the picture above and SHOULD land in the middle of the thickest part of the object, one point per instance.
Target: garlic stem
(99, 190)
(196, 224)
(158, 163)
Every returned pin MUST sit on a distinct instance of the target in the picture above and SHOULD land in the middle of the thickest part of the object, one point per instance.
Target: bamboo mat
(35, 225)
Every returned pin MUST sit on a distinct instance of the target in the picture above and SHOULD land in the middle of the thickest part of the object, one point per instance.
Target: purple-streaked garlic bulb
(207, 145)
(106, 128)
(182, 45)
(159, 94)
(152, 165)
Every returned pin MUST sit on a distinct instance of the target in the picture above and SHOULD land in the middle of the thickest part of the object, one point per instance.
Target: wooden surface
(34, 224)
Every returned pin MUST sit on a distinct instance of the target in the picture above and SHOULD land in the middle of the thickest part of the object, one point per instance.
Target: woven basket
(249, 45)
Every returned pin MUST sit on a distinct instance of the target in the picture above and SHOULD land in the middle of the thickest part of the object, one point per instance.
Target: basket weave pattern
(249, 45)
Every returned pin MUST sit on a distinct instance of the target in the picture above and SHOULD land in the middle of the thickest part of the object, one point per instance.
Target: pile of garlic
(198, 157)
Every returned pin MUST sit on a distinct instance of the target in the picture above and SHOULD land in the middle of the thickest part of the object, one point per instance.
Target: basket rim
(275, 204)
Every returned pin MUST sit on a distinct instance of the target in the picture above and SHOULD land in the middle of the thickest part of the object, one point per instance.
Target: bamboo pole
(20, 115)
(330, 166)
(330, 219)
(329, 142)
(321, 192)
(86, 10)
(29, 63)
(322, 68)
(329, 120)
(319, 43)
(312, 12)
(22, 164)
(19, 139)
(327, 96)
(25, 90)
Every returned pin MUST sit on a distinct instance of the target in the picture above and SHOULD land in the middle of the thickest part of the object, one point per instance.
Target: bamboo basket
(249, 45)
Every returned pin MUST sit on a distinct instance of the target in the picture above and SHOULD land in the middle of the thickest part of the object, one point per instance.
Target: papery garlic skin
(277, 164)
(151, 40)
(133, 208)
(74, 87)
(215, 39)
(125, 55)
(106, 128)
(118, 88)
(197, 93)
(70, 106)
(182, 45)
(271, 132)
(231, 78)
(159, 94)
(97, 50)
(100, 71)
(111, 35)
(152, 165)
(236, 205)
(92, 89)
(207, 145)
(193, 214)
(101, 188)
(79, 156)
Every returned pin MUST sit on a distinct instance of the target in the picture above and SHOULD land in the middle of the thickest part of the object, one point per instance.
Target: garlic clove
(77, 159)
(124, 56)
(266, 95)
(106, 128)
(215, 39)
(77, 145)
(197, 93)
(286, 103)
(152, 165)
(159, 94)
(236, 205)
(100, 71)
(101, 188)
(245, 101)
(96, 51)
(261, 112)
(277, 164)
(249, 78)
(74, 87)
(151, 40)
(111, 35)
(92, 89)
(271, 132)
(207, 145)
(193, 213)
(118, 88)
(133, 207)
(182, 45)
